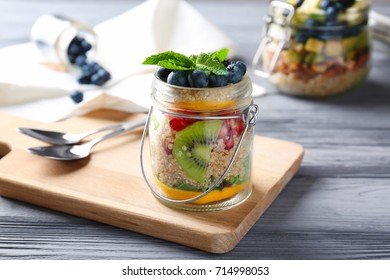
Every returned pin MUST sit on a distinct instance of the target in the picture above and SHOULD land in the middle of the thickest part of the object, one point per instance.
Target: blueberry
(240, 66)
(90, 68)
(85, 45)
(80, 60)
(162, 73)
(77, 96)
(311, 22)
(100, 77)
(325, 4)
(235, 73)
(226, 63)
(72, 58)
(218, 80)
(198, 79)
(331, 13)
(300, 37)
(74, 49)
(339, 6)
(178, 78)
(84, 79)
(346, 3)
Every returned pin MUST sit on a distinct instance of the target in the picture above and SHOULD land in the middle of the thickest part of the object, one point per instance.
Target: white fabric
(30, 89)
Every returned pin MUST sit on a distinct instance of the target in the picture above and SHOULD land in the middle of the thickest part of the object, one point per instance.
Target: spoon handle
(123, 129)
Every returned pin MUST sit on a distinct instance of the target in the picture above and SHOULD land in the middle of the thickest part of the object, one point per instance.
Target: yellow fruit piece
(215, 195)
(314, 45)
(350, 43)
(333, 48)
(209, 105)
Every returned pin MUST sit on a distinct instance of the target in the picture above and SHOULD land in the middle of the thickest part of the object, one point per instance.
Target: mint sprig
(209, 62)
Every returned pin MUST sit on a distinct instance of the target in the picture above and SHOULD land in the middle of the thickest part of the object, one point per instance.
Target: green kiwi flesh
(192, 148)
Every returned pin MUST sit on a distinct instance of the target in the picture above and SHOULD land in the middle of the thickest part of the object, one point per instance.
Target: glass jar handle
(379, 26)
(250, 118)
(269, 19)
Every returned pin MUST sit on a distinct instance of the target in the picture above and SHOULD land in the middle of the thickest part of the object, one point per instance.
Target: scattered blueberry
(162, 73)
(74, 48)
(218, 80)
(178, 78)
(100, 77)
(85, 45)
(77, 96)
(80, 60)
(84, 79)
(198, 79)
(91, 72)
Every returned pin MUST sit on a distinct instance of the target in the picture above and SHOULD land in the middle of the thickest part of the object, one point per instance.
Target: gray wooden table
(336, 207)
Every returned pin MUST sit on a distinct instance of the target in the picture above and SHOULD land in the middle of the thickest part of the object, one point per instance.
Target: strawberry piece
(178, 124)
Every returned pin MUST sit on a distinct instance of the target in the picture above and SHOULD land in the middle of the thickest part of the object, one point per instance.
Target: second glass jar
(312, 52)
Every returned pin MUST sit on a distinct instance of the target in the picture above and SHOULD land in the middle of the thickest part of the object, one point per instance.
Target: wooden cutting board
(108, 186)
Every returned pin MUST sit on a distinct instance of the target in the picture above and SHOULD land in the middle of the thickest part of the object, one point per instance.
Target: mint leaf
(171, 60)
(205, 62)
(220, 55)
(173, 65)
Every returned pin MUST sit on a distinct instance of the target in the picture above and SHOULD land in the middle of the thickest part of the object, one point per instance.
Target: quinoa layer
(168, 171)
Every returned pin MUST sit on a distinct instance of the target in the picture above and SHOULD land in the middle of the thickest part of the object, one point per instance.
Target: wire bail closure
(269, 20)
(249, 116)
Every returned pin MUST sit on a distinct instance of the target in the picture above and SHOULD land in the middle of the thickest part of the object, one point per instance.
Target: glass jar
(200, 143)
(315, 48)
(53, 35)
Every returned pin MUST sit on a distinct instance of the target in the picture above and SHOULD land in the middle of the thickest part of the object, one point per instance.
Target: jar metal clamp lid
(249, 116)
(284, 37)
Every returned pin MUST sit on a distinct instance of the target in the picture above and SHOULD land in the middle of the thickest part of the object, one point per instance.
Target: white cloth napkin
(32, 90)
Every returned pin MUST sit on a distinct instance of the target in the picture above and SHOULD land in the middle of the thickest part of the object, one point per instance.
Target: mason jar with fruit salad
(201, 128)
(315, 48)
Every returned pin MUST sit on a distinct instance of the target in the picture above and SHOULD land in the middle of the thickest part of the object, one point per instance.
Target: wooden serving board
(108, 186)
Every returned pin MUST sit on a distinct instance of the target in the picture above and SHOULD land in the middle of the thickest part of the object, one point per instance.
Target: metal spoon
(62, 138)
(74, 152)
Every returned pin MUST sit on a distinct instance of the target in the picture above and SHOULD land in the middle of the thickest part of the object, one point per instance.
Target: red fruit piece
(167, 146)
(230, 128)
(229, 142)
(180, 123)
(237, 126)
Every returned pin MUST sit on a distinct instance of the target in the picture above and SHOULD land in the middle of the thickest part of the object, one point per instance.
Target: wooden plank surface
(337, 207)
(108, 186)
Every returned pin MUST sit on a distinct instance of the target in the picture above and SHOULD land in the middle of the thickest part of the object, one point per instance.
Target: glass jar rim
(168, 95)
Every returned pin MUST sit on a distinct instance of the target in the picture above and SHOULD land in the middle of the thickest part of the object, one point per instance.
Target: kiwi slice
(192, 148)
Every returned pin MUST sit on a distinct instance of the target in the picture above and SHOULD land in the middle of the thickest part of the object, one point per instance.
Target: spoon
(62, 138)
(74, 152)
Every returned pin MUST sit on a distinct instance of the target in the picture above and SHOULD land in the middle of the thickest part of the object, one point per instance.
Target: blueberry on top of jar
(210, 69)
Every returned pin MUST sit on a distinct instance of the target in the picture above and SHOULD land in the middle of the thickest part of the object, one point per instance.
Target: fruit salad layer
(189, 155)
(328, 51)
